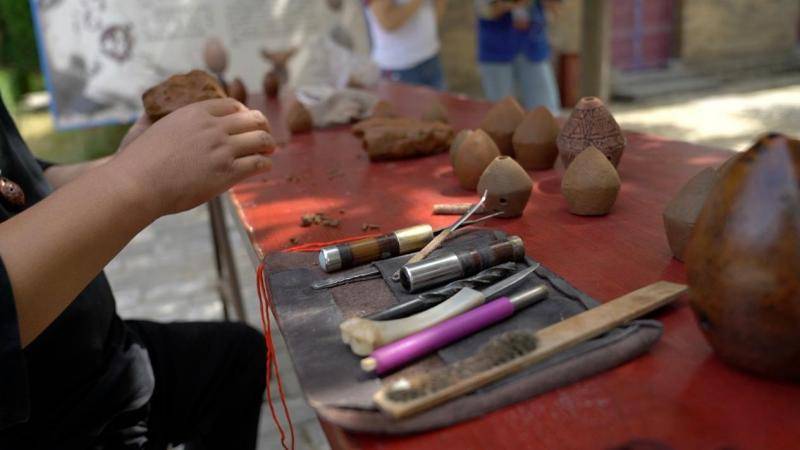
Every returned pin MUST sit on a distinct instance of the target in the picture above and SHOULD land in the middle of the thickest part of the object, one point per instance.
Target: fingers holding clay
(252, 142)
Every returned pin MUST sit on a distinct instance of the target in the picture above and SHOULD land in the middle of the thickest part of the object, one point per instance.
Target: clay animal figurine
(743, 261)
(180, 90)
(237, 90)
(473, 156)
(590, 124)
(278, 75)
(501, 121)
(509, 187)
(436, 112)
(534, 140)
(590, 184)
(681, 212)
(298, 118)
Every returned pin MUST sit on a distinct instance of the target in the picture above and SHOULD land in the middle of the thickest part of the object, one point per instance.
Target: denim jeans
(533, 83)
(427, 73)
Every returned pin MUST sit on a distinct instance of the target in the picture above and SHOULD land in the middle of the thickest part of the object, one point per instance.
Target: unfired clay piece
(509, 187)
(436, 113)
(237, 90)
(501, 121)
(402, 137)
(590, 124)
(180, 90)
(681, 212)
(473, 156)
(590, 184)
(460, 136)
(534, 140)
(298, 118)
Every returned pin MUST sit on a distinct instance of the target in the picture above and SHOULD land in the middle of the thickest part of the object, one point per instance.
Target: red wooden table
(678, 395)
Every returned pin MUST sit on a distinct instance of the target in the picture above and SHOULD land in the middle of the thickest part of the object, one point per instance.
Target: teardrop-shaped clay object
(509, 187)
(436, 113)
(475, 153)
(681, 212)
(298, 118)
(590, 124)
(534, 140)
(723, 169)
(456, 143)
(383, 108)
(590, 184)
(272, 84)
(501, 121)
(215, 56)
(237, 90)
(743, 261)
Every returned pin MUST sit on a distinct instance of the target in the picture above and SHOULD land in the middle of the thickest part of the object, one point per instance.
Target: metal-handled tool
(400, 242)
(453, 265)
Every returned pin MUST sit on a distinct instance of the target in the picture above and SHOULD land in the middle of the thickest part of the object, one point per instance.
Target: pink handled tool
(399, 353)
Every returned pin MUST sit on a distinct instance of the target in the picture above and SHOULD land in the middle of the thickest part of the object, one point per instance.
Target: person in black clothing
(72, 373)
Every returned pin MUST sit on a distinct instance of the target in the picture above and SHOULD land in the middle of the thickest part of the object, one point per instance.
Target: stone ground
(167, 272)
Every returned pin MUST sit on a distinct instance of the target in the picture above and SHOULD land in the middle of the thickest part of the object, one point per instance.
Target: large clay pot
(590, 124)
(501, 121)
(534, 140)
(590, 184)
(509, 187)
(743, 261)
(473, 155)
(680, 214)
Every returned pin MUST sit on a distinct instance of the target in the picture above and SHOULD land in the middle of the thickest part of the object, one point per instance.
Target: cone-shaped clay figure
(460, 136)
(743, 261)
(436, 113)
(476, 152)
(215, 56)
(722, 170)
(383, 109)
(298, 118)
(272, 84)
(534, 140)
(681, 212)
(590, 124)
(509, 187)
(501, 121)
(590, 184)
(237, 90)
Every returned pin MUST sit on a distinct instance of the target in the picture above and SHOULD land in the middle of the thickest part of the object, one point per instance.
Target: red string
(317, 246)
(265, 303)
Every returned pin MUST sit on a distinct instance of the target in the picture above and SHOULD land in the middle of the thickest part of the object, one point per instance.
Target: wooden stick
(455, 209)
(551, 340)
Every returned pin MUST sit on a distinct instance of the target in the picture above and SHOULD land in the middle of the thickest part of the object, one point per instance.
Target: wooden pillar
(595, 78)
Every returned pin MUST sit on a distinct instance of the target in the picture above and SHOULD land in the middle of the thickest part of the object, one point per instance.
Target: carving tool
(453, 265)
(364, 335)
(437, 241)
(399, 353)
(511, 352)
(432, 298)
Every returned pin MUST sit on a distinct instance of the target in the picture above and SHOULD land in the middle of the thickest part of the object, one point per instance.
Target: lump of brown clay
(590, 124)
(509, 187)
(501, 121)
(473, 156)
(460, 136)
(743, 261)
(383, 108)
(180, 90)
(436, 113)
(237, 90)
(590, 184)
(534, 140)
(681, 212)
(402, 137)
(298, 118)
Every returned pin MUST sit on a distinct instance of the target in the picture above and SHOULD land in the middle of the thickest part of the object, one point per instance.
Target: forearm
(62, 174)
(55, 248)
(391, 15)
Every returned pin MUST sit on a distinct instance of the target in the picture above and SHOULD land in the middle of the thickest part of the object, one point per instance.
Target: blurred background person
(514, 53)
(405, 40)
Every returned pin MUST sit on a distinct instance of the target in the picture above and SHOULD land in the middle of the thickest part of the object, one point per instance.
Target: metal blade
(496, 289)
(472, 222)
(470, 211)
(345, 279)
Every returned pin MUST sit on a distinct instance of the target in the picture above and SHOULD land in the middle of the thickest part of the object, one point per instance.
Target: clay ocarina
(180, 90)
(501, 121)
(383, 108)
(460, 136)
(590, 184)
(215, 56)
(237, 90)
(534, 140)
(590, 124)
(298, 118)
(474, 154)
(509, 187)
(743, 261)
(681, 212)
(436, 112)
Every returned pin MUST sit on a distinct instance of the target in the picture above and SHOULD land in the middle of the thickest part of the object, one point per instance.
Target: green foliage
(17, 39)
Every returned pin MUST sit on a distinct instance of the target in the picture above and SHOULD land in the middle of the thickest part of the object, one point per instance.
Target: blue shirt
(500, 42)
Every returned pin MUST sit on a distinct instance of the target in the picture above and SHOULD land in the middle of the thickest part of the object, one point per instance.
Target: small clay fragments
(501, 121)
(237, 90)
(590, 124)
(402, 137)
(383, 108)
(306, 220)
(590, 184)
(681, 212)
(743, 261)
(534, 140)
(509, 187)
(370, 227)
(180, 90)
(476, 151)
(298, 118)
(460, 136)
(436, 113)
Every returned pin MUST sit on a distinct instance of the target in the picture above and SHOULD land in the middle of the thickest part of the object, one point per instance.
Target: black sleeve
(44, 164)
(14, 396)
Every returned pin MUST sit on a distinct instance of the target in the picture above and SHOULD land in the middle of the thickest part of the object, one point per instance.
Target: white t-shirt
(405, 47)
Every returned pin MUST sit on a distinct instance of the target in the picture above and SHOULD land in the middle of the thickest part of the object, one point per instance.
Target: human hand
(136, 130)
(193, 154)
